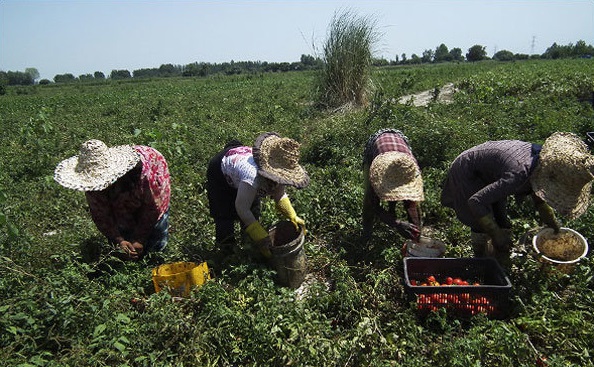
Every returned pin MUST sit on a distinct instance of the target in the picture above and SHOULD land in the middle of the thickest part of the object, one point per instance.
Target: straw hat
(278, 160)
(96, 167)
(396, 176)
(564, 173)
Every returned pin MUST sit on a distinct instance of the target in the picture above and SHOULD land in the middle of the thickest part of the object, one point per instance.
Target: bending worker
(557, 174)
(128, 191)
(239, 176)
(391, 173)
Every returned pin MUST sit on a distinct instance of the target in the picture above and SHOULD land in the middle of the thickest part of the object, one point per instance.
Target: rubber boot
(503, 254)
(481, 244)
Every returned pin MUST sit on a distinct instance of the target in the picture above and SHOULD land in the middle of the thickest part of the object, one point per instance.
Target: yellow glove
(547, 215)
(259, 235)
(256, 232)
(285, 208)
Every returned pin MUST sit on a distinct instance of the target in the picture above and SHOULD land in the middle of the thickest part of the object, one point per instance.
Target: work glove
(408, 230)
(405, 229)
(260, 237)
(502, 241)
(547, 216)
(286, 209)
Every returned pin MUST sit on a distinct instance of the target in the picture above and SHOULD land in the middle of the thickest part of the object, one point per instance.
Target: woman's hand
(132, 250)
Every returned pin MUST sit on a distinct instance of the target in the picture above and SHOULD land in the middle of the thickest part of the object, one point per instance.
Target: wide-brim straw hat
(564, 173)
(396, 176)
(96, 167)
(278, 160)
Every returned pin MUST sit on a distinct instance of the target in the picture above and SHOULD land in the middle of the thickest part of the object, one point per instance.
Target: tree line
(307, 62)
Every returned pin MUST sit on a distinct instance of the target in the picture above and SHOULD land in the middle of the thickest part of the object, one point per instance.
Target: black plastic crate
(487, 292)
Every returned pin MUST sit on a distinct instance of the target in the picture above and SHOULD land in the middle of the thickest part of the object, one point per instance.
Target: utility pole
(532, 45)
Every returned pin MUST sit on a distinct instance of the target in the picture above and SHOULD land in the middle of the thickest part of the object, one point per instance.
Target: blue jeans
(160, 234)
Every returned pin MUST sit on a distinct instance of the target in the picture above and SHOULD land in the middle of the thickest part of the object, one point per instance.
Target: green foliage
(348, 56)
(476, 53)
(66, 302)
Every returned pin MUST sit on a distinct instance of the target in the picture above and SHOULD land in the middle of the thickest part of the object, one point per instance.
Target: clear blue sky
(84, 36)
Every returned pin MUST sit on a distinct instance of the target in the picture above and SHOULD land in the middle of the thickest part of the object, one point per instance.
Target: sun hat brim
(396, 176)
(561, 177)
(277, 159)
(119, 161)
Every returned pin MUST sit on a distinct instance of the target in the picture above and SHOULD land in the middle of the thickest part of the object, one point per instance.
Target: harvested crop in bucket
(563, 249)
(288, 255)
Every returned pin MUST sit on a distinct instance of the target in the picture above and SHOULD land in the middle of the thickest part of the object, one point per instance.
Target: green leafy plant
(62, 306)
(345, 78)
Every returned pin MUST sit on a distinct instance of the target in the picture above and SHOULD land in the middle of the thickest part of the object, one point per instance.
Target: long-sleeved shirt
(136, 209)
(487, 174)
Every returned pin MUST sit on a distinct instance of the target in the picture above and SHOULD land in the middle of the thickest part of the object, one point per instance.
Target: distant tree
(380, 62)
(557, 52)
(476, 53)
(522, 56)
(99, 75)
(414, 59)
(19, 78)
(147, 73)
(504, 55)
(120, 74)
(64, 78)
(442, 54)
(44, 82)
(456, 54)
(33, 72)
(308, 60)
(86, 77)
(427, 56)
(167, 70)
(582, 49)
(403, 59)
(3, 82)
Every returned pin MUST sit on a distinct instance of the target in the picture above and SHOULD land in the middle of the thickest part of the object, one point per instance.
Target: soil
(446, 95)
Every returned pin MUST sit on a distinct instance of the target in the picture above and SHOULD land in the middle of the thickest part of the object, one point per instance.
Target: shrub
(345, 78)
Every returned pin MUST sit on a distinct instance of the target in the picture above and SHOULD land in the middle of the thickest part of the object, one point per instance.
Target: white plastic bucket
(562, 258)
(427, 247)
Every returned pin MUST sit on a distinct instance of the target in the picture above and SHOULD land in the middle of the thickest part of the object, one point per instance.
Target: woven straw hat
(278, 160)
(396, 176)
(96, 167)
(564, 174)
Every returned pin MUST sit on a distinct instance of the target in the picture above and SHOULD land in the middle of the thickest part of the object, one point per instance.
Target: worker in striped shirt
(391, 174)
(556, 175)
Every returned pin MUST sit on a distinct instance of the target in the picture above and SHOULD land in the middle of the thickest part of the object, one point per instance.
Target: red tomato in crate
(465, 297)
(449, 281)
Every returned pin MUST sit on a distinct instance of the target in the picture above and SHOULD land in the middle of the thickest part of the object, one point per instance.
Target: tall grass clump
(345, 79)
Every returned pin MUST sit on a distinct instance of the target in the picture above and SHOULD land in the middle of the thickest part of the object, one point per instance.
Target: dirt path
(446, 95)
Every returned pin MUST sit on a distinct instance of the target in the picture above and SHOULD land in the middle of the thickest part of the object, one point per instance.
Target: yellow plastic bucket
(178, 278)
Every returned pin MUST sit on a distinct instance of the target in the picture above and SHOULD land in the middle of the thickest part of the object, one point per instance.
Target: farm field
(65, 305)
